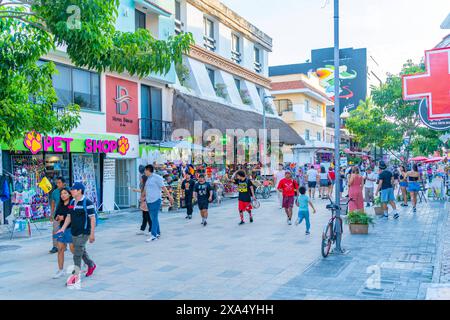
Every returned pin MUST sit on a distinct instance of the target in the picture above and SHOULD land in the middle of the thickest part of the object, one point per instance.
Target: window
(152, 126)
(260, 94)
(258, 65)
(178, 10)
(73, 85)
(236, 48)
(178, 23)
(238, 84)
(319, 110)
(212, 76)
(210, 42)
(283, 105)
(319, 136)
(140, 20)
(307, 135)
(307, 106)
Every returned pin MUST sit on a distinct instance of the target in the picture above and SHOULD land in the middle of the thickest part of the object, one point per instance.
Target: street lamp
(266, 98)
(337, 129)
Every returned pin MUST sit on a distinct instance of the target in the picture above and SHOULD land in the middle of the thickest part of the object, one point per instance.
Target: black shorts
(203, 205)
(312, 184)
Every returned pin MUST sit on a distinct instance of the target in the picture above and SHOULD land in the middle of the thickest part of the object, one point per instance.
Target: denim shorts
(387, 195)
(404, 184)
(65, 237)
(414, 187)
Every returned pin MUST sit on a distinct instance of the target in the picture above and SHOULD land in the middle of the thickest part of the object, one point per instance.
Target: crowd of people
(74, 216)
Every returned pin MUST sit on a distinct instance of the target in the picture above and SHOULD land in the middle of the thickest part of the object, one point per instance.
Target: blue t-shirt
(56, 196)
(303, 202)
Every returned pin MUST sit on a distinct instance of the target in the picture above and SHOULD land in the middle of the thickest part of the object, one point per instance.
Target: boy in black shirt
(187, 186)
(204, 194)
(246, 194)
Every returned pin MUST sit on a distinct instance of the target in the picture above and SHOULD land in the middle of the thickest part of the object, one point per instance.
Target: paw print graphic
(123, 145)
(33, 141)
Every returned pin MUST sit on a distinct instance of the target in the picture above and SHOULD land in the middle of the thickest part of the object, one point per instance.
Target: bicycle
(262, 191)
(329, 233)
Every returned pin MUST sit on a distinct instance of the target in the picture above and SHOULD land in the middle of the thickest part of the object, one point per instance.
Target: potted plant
(245, 96)
(378, 208)
(183, 74)
(358, 222)
(221, 90)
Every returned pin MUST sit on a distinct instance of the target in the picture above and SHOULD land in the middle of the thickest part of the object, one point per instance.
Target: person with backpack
(82, 219)
(246, 194)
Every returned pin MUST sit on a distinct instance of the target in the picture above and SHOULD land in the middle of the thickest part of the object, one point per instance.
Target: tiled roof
(295, 85)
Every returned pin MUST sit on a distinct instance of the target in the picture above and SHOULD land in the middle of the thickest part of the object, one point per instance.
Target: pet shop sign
(35, 142)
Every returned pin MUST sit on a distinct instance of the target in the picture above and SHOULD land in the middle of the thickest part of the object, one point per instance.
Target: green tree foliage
(371, 127)
(29, 29)
(386, 119)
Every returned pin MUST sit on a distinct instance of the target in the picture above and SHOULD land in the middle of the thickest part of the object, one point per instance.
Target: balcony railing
(178, 26)
(210, 43)
(258, 67)
(155, 130)
(236, 56)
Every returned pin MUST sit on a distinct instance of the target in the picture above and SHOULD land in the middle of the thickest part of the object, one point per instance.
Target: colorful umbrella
(434, 160)
(419, 159)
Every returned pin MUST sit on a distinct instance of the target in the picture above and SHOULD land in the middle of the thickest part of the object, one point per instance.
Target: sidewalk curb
(443, 231)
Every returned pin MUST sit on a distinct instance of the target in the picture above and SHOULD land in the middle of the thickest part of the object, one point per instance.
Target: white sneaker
(140, 233)
(74, 282)
(151, 239)
(297, 222)
(58, 274)
(289, 222)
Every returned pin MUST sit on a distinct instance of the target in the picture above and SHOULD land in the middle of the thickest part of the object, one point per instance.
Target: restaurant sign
(36, 142)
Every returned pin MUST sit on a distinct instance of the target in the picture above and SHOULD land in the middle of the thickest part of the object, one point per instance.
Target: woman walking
(143, 206)
(414, 181)
(301, 179)
(65, 238)
(331, 180)
(404, 185)
(355, 191)
(323, 191)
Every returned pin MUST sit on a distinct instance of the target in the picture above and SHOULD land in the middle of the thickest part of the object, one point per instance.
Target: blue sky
(392, 30)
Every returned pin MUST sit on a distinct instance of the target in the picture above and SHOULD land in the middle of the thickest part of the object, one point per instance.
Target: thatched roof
(187, 109)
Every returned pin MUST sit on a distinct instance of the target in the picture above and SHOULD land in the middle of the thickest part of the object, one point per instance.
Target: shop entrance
(123, 183)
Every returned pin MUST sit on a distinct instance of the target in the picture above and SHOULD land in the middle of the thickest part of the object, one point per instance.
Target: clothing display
(32, 201)
(83, 168)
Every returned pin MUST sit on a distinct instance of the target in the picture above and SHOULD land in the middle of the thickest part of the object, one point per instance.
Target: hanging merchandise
(45, 185)
(28, 172)
(84, 172)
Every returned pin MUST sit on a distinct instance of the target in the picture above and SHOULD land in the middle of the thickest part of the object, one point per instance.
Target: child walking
(303, 211)
(246, 194)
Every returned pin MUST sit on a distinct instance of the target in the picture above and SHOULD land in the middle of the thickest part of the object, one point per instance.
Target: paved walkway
(395, 261)
(264, 260)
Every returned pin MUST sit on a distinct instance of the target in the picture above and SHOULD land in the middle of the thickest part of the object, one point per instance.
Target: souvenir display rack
(28, 200)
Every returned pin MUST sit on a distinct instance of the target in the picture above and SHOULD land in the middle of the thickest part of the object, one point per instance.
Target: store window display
(28, 200)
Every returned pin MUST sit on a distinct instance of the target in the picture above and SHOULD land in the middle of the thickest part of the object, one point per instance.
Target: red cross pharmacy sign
(433, 87)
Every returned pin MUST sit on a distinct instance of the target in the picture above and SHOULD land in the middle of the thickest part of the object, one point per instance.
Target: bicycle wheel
(266, 194)
(327, 240)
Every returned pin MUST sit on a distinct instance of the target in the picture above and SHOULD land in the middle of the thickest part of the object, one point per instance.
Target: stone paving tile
(389, 250)
(164, 295)
(229, 274)
(264, 260)
(167, 268)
